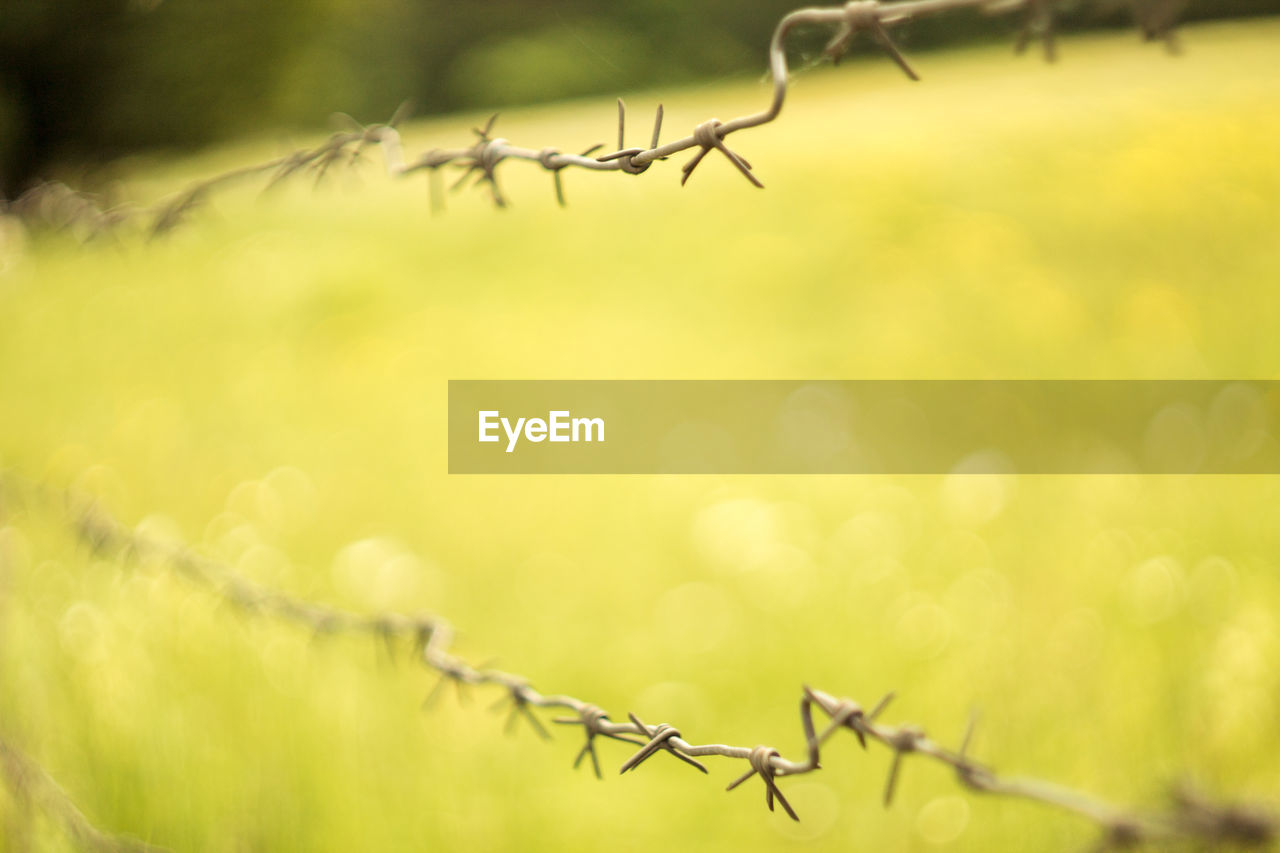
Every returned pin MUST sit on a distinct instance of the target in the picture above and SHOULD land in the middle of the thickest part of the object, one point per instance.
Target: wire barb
(709, 136)
(482, 161)
(519, 707)
(761, 759)
(902, 742)
(1157, 21)
(864, 16)
(625, 157)
(660, 738)
(593, 719)
(60, 207)
(844, 713)
(453, 674)
(1038, 21)
(1190, 818)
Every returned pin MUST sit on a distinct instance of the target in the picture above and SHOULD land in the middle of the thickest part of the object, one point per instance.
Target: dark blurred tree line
(82, 81)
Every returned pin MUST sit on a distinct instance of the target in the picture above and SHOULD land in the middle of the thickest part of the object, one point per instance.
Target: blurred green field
(269, 384)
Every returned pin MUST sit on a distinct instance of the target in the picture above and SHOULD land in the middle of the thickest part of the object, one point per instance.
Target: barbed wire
(1189, 816)
(57, 205)
(30, 784)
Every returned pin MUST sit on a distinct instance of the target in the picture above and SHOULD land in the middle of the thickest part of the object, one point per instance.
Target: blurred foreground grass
(269, 384)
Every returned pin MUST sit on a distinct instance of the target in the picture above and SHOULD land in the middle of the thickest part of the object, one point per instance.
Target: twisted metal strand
(864, 16)
(593, 719)
(31, 784)
(761, 759)
(518, 706)
(57, 205)
(660, 736)
(1188, 818)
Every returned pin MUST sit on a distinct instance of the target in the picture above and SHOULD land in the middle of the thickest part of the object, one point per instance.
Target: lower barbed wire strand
(30, 784)
(1190, 818)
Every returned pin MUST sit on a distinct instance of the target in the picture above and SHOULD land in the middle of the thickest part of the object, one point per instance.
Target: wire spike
(402, 112)
(761, 760)
(891, 783)
(1190, 819)
(967, 739)
(1038, 20)
(692, 164)
(881, 705)
(744, 777)
(484, 132)
(881, 35)
(538, 727)
(559, 188)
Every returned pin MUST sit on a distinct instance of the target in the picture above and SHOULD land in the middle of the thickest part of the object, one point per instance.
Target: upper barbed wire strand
(1190, 818)
(56, 205)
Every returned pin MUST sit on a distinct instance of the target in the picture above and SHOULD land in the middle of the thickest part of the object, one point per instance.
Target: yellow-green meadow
(268, 384)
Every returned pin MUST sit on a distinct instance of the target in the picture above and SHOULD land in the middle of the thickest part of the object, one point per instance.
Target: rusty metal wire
(29, 785)
(1188, 818)
(59, 206)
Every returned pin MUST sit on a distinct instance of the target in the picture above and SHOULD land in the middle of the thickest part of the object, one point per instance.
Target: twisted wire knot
(626, 156)
(864, 16)
(761, 761)
(483, 158)
(862, 13)
(627, 163)
(844, 713)
(593, 718)
(974, 776)
(520, 695)
(545, 158)
(490, 153)
(95, 531)
(660, 737)
(849, 714)
(707, 136)
(906, 739)
(450, 669)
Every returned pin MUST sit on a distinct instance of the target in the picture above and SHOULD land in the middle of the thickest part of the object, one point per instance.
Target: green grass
(270, 384)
